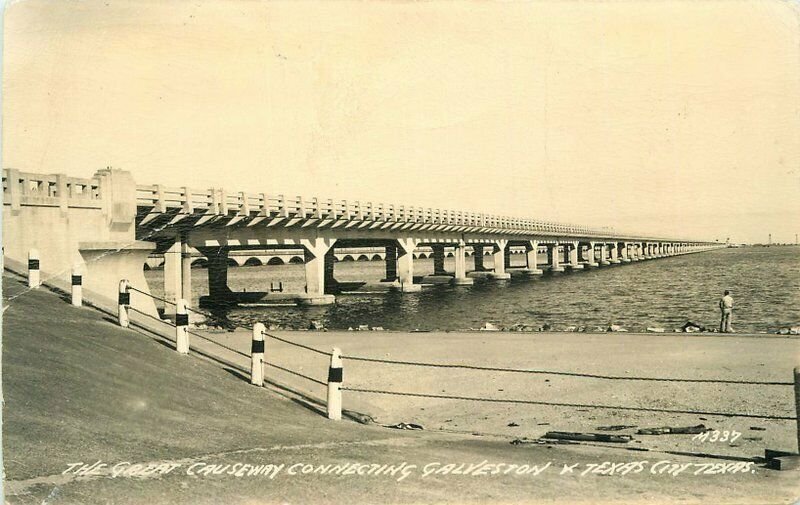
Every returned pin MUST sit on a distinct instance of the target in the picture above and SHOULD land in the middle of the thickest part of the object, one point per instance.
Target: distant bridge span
(111, 225)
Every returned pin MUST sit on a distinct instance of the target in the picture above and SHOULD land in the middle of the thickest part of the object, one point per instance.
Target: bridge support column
(574, 262)
(405, 264)
(499, 257)
(331, 286)
(553, 258)
(591, 255)
(477, 256)
(532, 257)
(625, 252)
(507, 258)
(315, 251)
(604, 254)
(438, 259)
(460, 253)
(391, 263)
(218, 290)
(614, 253)
(634, 251)
(173, 274)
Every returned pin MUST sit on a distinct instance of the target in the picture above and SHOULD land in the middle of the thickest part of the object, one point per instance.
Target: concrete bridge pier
(604, 254)
(391, 263)
(477, 256)
(499, 256)
(460, 254)
(315, 251)
(624, 252)
(614, 249)
(532, 258)
(574, 262)
(405, 264)
(634, 251)
(553, 258)
(438, 259)
(218, 290)
(591, 255)
(331, 284)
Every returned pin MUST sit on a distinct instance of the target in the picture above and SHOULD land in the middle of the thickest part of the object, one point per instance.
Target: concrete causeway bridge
(109, 225)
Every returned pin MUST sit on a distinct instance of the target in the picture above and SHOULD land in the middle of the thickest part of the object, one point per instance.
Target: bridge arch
(376, 257)
(275, 261)
(200, 263)
(296, 260)
(363, 257)
(253, 262)
(347, 257)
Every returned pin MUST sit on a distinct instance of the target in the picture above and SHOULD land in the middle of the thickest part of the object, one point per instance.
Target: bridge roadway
(109, 226)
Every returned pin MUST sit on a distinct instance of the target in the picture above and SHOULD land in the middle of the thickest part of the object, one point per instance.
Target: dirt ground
(679, 356)
(79, 389)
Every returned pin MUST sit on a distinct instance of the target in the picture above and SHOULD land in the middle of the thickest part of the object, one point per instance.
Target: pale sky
(676, 118)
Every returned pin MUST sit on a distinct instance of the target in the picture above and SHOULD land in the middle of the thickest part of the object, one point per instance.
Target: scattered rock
(316, 325)
(512, 425)
(757, 428)
(690, 327)
(377, 328)
(668, 430)
(489, 327)
(363, 327)
(406, 426)
(616, 427)
(652, 329)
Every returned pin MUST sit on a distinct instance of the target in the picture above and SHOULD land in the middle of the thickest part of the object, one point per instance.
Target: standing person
(726, 312)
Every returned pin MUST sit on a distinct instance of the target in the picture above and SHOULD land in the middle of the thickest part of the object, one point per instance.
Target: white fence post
(257, 352)
(181, 327)
(77, 286)
(334, 385)
(124, 302)
(34, 277)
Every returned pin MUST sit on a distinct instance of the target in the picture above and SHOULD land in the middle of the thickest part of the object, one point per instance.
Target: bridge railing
(217, 201)
(50, 190)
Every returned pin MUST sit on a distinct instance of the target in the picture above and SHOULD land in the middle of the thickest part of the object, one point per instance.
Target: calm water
(765, 283)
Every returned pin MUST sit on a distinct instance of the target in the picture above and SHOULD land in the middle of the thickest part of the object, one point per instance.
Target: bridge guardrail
(216, 201)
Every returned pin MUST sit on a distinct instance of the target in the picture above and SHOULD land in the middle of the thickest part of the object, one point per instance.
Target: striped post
(34, 277)
(124, 302)
(77, 286)
(181, 327)
(257, 352)
(797, 402)
(335, 385)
